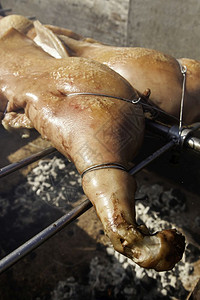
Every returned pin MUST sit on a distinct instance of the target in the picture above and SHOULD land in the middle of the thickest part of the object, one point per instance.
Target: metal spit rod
(186, 138)
(25, 162)
(51, 230)
(42, 236)
(4, 10)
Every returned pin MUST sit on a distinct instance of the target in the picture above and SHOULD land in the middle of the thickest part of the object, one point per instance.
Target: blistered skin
(143, 68)
(40, 84)
(88, 130)
(147, 68)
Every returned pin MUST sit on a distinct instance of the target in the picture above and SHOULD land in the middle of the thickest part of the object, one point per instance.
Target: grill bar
(25, 162)
(152, 157)
(44, 235)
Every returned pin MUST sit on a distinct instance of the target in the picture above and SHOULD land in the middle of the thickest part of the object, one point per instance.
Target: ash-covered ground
(79, 263)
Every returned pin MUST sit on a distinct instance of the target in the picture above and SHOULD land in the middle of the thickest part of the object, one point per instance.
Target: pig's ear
(49, 41)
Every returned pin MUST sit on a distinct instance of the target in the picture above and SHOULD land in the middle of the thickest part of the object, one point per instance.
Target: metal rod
(156, 127)
(25, 162)
(193, 143)
(190, 141)
(187, 140)
(31, 17)
(151, 157)
(3, 10)
(45, 234)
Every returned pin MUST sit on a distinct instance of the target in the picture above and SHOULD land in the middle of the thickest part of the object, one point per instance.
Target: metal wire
(183, 71)
(149, 107)
(104, 166)
(132, 101)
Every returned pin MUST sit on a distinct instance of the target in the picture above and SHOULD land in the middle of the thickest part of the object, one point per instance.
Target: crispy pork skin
(144, 68)
(89, 130)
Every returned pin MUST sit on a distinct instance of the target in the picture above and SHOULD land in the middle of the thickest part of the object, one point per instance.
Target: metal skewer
(25, 162)
(4, 10)
(42, 236)
(184, 135)
(151, 157)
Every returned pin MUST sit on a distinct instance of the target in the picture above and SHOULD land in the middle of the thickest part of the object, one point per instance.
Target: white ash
(4, 206)
(170, 283)
(165, 204)
(67, 289)
(56, 182)
(116, 277)
(46, 193)
(125, 278)
(120, 278)
(152, 214)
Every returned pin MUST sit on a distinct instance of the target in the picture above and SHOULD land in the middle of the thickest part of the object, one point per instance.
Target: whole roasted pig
(91, 115)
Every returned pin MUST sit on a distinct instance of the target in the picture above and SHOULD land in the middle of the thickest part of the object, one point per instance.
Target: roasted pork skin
(143, 68)
(40, 85)
(146, 68)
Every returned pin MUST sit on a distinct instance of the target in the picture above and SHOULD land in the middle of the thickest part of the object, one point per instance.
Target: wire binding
(104, 166)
